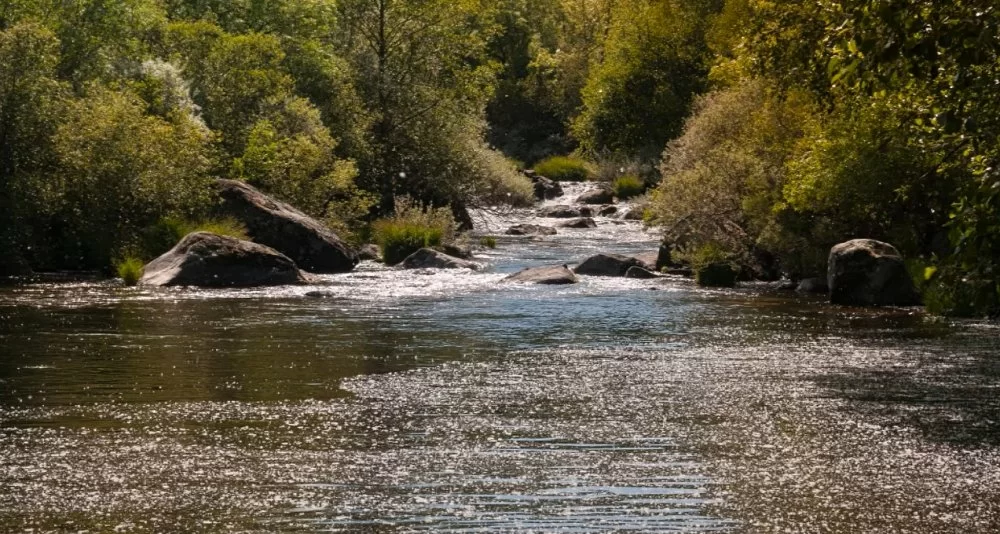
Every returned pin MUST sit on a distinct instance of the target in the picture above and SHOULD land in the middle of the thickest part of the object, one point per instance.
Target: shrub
(628, 186)
(488, 241)
(564, 168)
(412, 228)
(129, 270)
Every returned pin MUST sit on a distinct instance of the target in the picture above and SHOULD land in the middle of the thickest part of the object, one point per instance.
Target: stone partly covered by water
(548, 275)
(202, 259)
(865, 272)
(561, 211)
(309, 243)
(427, 258)
(579, 223)
(599, 196)
(530, 229)
(607, 265)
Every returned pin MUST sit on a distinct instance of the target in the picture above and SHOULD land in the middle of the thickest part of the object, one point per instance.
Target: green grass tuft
(130, 270)
(399, 239)
(488, 241)
(628, 186)
(564, 168)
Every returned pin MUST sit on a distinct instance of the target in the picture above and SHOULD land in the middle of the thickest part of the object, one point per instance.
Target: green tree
(655, 61)
(120, 172)
(30, 103)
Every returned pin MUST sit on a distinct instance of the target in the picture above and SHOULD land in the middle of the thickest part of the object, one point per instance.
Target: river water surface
(450, 402)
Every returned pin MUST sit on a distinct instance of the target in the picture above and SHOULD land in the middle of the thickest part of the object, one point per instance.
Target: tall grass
(564, 168)
(130, 270)
(412, 228)
(628, 186)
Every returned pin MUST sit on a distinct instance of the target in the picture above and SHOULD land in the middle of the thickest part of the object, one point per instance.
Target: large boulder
(548, 275)
(581, 223)
(607, 265)
(427, 258)
(546, 189)
(865, 272)
(209, 260)
(601, 195)
(280, 226)
(531, 229)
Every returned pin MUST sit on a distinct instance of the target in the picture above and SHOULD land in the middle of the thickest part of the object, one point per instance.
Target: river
(450, 402)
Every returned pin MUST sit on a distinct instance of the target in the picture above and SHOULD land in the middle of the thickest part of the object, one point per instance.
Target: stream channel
(447, 401)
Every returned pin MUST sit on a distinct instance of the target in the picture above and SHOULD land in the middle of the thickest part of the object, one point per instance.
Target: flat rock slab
(607, 265)
(565, 212)
(581, 223)
(310, 244)
(427, 258)
(531, 229)
(548, 275)
(202, 259)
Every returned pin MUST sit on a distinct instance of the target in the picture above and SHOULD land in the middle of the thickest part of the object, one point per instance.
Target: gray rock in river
(602, 195)
(548, 275)
(582, 222)
(865, 272)
(607, 211)
(530, 229)
(640, 273)
(370, 252)
(427, 258)
(456, 250)
(635, 214)
(309, 243)
(563, 211)
(607, 265)
(207, 260)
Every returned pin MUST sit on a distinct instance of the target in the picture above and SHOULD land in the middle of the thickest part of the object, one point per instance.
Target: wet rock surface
(865, 272)
(427, 258)
(202, 259)
(548, 275)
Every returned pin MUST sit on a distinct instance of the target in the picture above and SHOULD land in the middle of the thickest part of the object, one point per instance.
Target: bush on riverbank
(564, 169)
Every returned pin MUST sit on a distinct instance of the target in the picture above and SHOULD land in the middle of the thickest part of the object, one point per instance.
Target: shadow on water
(949, 392)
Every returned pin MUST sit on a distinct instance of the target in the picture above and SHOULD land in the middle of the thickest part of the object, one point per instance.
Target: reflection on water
(449, 402)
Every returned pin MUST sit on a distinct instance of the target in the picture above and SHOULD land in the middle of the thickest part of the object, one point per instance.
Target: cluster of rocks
(285, 246)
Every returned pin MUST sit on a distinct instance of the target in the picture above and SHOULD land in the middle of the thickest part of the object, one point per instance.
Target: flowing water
(451, 402)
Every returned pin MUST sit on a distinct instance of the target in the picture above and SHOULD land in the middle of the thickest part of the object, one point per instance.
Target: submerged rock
(208, 260)
(607, 265)
(607, 211)
(865, 272)
(582, 222)
(635, 214)
(548, 275)
(306, 241)
(427, 258)
(530, 229)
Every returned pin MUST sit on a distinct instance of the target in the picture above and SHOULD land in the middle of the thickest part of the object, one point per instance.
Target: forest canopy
(767, 131)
